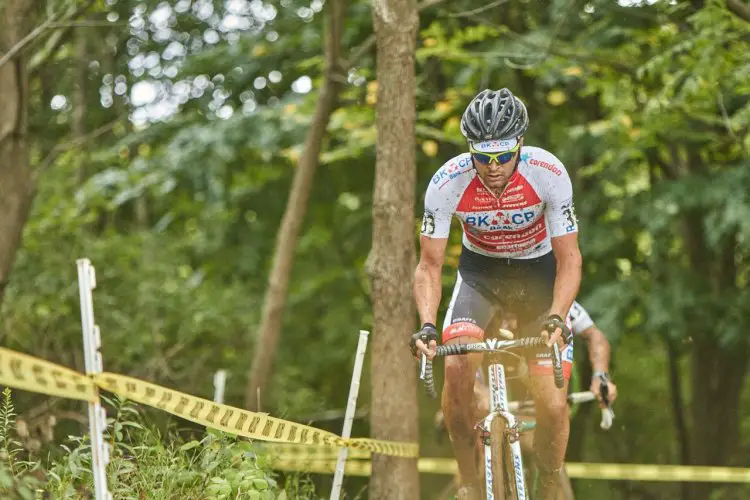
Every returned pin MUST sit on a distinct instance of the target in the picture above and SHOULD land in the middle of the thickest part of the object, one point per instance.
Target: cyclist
(520, 254)
(599, 350)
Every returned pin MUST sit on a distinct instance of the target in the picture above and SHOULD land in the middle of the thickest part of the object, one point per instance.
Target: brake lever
(608, 415)
(604, 391)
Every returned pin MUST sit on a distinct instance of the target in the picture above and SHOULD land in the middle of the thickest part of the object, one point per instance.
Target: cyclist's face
(495, 170)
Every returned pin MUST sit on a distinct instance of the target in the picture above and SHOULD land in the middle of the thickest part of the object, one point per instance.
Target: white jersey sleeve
(556, 190)
(443, 195)
(579, 318)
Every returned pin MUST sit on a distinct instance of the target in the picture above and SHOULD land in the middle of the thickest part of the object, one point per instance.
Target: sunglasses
(486, 158)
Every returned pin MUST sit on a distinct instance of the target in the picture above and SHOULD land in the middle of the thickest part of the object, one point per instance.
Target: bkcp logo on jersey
(451, 171)
(501, 219)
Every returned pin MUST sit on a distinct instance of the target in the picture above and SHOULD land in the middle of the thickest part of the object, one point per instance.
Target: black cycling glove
(426, 334)
(553, 322)
(604, 387)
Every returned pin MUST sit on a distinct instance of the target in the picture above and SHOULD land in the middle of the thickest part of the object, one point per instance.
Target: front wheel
(503, 467)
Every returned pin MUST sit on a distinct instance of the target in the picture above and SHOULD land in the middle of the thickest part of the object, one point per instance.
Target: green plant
(18, 478)
(146, 464)
(299, 485)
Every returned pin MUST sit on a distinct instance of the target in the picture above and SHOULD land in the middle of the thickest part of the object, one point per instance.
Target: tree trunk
(678, 411)
(286, 241)
(392, 258)
(16, 183)
(718, 370)
(717, 377)
(79, 100)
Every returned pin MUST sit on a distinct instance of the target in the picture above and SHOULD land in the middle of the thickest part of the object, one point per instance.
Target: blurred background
(162, 138)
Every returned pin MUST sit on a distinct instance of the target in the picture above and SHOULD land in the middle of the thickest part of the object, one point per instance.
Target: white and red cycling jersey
(536, 205)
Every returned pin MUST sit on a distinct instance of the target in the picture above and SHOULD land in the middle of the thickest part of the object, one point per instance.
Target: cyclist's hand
(554, 328)
(424, 341)
(597, 383)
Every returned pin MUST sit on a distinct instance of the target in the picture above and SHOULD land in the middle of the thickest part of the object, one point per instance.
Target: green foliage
(648, 106)
(19, 478)
(146, 464)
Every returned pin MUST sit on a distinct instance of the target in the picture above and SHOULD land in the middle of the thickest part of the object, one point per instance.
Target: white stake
(93, 361)
(220, 382)
(351, 407)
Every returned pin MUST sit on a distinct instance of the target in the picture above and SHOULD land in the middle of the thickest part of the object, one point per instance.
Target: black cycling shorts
(515, 294)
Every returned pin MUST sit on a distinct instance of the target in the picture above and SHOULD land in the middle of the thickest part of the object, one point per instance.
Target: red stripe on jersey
(508, 241)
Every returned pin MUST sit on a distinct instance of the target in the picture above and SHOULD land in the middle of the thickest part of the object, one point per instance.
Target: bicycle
(504, 477)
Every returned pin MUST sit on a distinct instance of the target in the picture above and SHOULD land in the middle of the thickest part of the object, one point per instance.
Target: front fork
(499, 408)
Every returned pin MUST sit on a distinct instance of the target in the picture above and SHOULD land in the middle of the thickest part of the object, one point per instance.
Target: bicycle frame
(498, 400)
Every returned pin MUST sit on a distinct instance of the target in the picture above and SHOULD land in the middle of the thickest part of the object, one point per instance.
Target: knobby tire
(503, 473)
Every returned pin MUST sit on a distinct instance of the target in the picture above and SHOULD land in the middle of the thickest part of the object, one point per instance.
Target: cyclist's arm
(563, 228)
(440, 203)
(599, 349)
(428, 277)
(568, 275)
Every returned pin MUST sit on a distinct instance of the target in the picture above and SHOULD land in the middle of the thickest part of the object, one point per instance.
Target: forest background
(162, 139)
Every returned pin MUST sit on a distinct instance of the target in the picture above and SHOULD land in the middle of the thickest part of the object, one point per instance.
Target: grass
(144, 465)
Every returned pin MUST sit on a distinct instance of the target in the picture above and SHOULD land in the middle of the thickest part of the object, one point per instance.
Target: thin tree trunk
(16, 183)
(79, 100)
(682, 431)
(739, 8)
(678, 411)
(267, 339)
(392, 258)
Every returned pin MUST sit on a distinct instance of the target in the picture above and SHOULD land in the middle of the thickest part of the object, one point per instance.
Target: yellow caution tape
(392, 448)
(612, 472)
(36, 375)
(217, 416)
(353, 467)
(307, 452)
(245, 423)
(304, 446)
(437, 466)
(671, 473)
